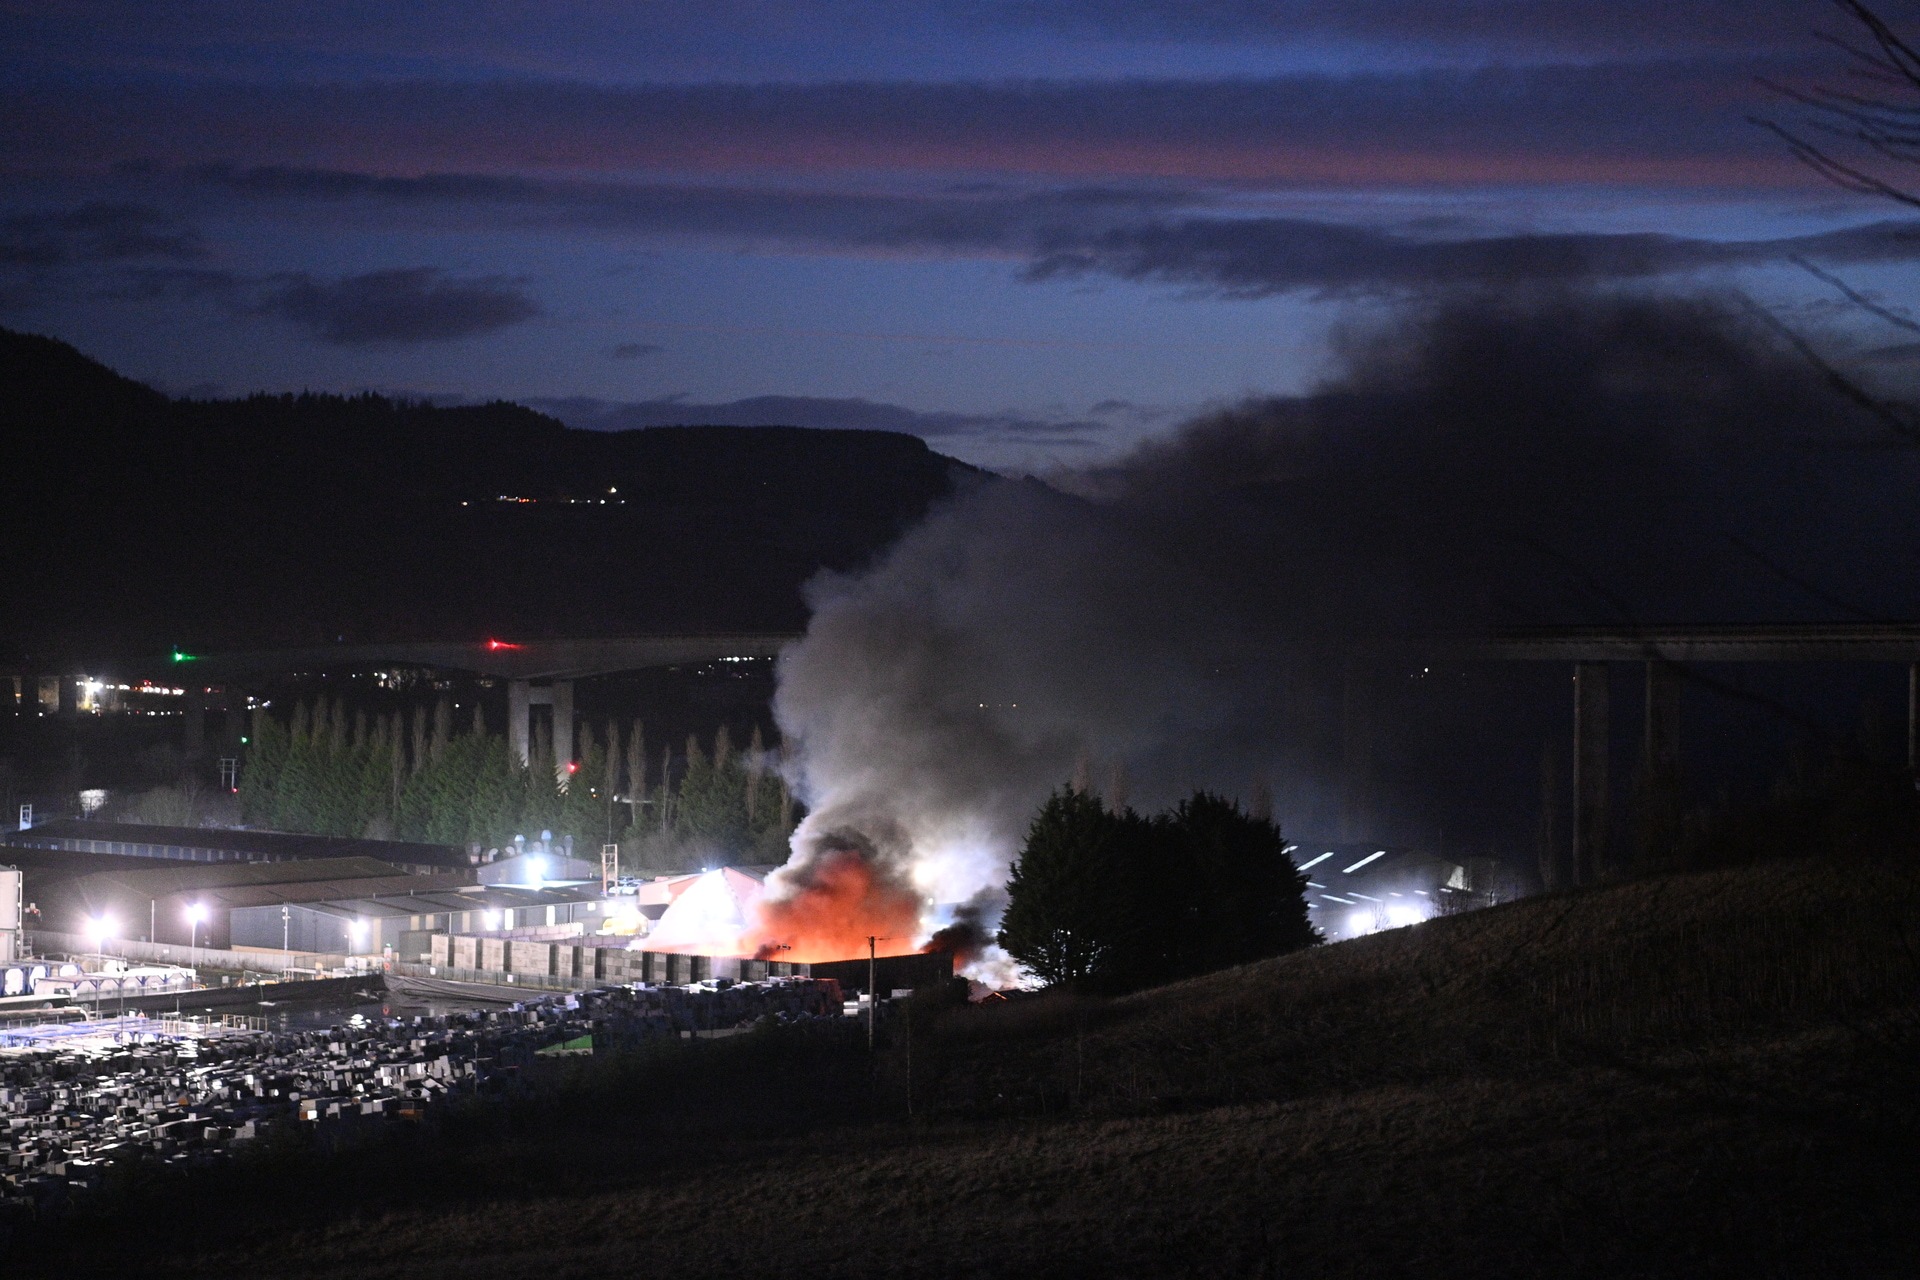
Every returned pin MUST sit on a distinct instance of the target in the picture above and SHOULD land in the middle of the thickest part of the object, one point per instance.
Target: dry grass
(1710, 1074)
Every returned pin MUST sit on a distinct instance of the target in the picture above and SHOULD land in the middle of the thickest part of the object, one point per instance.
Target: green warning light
(185, 657)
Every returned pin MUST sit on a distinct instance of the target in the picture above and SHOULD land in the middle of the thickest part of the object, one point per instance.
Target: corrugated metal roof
(253, 844)
(102, 889)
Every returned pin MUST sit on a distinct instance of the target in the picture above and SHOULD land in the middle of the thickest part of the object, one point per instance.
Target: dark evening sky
(1028, 231)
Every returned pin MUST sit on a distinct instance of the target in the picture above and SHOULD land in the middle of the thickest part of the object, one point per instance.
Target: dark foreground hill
(1714, 1074)
(129, 520)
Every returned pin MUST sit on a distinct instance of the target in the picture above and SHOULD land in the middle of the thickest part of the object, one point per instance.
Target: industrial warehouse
(152, 1001)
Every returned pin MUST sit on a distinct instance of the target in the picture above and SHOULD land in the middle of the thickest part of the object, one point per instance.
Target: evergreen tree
(756, 765)
(665, 801)
(1235, 894)
(712, 807)
(636, 773)
(260, 774)
(1067, 902)
(1117, 901)
(293, 808)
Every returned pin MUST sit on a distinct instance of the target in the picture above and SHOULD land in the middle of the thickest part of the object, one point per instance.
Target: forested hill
(132, 521)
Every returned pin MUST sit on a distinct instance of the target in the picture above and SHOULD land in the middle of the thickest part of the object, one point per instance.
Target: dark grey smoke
(1198, 612)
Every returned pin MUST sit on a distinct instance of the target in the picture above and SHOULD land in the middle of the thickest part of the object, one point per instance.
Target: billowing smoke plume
(1195, 614)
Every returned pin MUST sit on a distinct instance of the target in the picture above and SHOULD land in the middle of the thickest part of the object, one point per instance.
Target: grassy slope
(1709, 1074)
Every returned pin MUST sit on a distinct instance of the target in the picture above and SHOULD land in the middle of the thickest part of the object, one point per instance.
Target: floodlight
(1402, 914)
(1360, 922)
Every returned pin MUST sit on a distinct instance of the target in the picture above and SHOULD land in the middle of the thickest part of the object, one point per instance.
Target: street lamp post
(196, 912)
(99, 929)
(873, 991)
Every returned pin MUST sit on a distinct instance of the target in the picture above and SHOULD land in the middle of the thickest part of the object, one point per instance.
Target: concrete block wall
(529, 957)
(584, 965)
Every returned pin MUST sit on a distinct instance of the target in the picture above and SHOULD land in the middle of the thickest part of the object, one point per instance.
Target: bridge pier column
(519, 720)
(1663, 719)
(1590, 782)
(562, 727)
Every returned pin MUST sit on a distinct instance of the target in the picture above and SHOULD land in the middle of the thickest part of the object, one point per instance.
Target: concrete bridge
(537, 672)
(1665, 653)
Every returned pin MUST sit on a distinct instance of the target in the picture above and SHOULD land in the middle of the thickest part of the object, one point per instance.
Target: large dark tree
(1068, 896)
(1238, 895)
(1116, 901)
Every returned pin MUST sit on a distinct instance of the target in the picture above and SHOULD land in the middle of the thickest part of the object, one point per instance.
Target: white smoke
(1186, 617)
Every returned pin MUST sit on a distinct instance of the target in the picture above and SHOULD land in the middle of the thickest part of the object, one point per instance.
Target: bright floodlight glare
(196, 913)
(1360, 922)
(357, 931)
(536, 868)
(1401, 914)
(490, 918)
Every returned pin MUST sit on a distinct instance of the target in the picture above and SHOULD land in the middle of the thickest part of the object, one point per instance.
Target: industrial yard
(1698, 1074)
(78, 1097)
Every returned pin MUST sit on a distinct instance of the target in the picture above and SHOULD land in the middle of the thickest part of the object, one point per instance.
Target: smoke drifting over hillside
(1189, 613)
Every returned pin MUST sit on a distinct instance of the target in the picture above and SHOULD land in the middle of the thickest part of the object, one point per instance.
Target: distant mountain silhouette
(130, 522)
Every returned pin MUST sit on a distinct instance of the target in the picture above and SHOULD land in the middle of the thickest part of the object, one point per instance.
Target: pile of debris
(74, 1105)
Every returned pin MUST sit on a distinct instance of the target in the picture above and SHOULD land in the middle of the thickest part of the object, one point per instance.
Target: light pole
(196, 912)
(873, 990)
(99, 929)
(284, 917)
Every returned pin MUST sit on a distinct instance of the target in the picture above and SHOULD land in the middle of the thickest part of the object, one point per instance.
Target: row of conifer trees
(433, 776)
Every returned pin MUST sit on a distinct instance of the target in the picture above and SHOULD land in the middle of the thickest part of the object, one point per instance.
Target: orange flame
(843, 900)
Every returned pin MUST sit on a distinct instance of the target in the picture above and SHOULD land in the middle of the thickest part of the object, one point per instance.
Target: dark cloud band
(399, 307)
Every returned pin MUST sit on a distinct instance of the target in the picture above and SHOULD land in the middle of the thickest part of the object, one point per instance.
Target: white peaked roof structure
(710, 916)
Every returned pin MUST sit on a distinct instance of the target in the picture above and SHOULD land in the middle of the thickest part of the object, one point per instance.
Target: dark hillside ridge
(134, 522)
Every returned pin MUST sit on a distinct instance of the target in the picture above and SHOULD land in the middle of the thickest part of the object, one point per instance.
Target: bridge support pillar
(522, 698)
(562, 728)
(519, 720)
(1590, 782)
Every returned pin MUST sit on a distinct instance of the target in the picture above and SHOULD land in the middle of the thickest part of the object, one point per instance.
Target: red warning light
(502, 644)
(573, 766)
